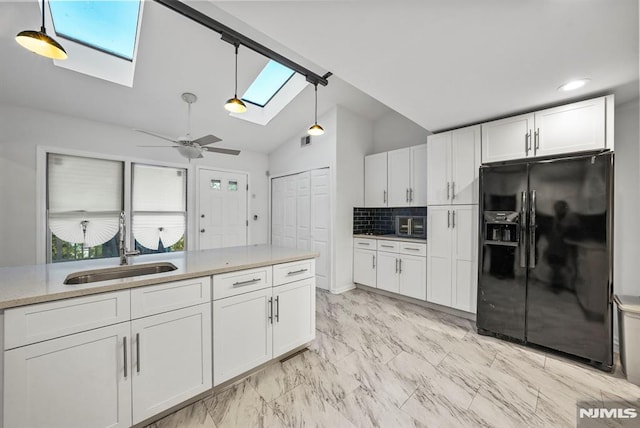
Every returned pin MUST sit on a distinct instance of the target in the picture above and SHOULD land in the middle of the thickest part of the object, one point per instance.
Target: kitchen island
(126, 351)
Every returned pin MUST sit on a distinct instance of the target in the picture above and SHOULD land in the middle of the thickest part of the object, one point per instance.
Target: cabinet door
(464, 273)
(170, 359)
(364, 267)
(303, 211)
(399, 177)
(294, 316)
(439, 255)
(375, 180)
(413, 276)
(570, 128)
(418, 195)
(465, 161)
(387, 272)
(242, 327)
(507, 139)
(76, 381)
(438, 169)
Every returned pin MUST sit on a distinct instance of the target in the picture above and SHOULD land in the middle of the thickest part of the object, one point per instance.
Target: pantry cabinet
(577, 127)
(396, 178)
(453, 159)
(452, 256)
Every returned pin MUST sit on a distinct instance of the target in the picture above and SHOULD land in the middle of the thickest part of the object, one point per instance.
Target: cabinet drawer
(416, 249)
(244, 281)
(388, 246)
(294, 271)
(166, 297)
(364, 243)
(43, 321)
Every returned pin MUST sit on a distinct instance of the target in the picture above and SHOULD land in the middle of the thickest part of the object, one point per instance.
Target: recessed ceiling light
(574, 84)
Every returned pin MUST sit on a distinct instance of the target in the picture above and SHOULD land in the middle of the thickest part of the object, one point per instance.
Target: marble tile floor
(381, 362)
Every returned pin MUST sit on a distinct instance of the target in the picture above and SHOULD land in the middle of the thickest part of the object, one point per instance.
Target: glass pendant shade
(39, 42)
(235, 105)
(315, 130)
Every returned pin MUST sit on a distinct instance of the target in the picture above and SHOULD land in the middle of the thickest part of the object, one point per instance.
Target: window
(108, 26)
(85, 197)
(84, 201)
(270, 80)
(159, 208)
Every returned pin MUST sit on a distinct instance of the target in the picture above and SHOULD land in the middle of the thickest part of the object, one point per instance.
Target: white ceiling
(441, 63)
(445, 63)
(175, 56)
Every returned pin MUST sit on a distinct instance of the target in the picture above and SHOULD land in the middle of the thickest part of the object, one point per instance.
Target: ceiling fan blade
(207, 139)
(164, 147)
(156, 135)
(221, 150)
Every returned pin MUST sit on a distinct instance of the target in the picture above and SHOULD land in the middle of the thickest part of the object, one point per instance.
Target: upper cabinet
(582, 126)
(453, 159)
(397, 178)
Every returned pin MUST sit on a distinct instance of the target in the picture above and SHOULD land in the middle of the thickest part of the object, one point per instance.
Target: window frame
(43, 234)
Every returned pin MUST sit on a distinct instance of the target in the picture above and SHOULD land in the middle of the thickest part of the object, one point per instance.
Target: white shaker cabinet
(375, 179)
(364, 266)
(387, 272)
(170, 359)
(419, 177)
(576, 127)
(399, 177)
(77, 381)
(294, 315)
(453, 160)
(452, 256)
(413, 276)
(570, 128)
(242, 328)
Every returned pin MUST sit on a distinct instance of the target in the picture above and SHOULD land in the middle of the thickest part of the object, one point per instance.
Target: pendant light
(316, 129)
(235, 104)
(39, 42)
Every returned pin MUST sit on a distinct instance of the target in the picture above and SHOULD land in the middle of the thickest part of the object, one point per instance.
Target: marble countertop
(25, 285)
(392, 238)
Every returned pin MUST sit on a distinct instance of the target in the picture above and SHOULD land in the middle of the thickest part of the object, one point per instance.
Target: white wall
(394, 131)
(290, 157)
(355, 139)
(627, 200)
(25, 129)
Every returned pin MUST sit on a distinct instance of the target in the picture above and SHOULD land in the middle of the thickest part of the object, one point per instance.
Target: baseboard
(344, 289)
(429, 305)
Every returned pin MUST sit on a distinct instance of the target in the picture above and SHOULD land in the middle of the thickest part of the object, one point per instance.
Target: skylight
(270, 80)
(108, 26)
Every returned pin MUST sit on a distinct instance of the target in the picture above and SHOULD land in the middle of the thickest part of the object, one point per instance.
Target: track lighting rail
(233, 37)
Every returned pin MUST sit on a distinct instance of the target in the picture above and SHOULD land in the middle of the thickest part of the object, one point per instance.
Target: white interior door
(223, 209)
(290, 214)
(303, 214)
(321, 225)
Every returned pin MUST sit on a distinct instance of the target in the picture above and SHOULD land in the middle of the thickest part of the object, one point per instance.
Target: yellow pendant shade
(39, 42)
(235, 105)
(315, 130)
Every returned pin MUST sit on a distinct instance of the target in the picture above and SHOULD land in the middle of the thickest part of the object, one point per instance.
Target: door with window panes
(223, 209)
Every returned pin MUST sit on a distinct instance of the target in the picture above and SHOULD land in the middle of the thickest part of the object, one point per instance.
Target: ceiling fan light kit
(40, 42)
(188, 148)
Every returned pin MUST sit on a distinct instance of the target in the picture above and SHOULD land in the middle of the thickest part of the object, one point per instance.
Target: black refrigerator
(545, 271)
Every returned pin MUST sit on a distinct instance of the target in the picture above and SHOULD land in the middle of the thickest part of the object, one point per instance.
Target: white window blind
(84, 198)
(159, 205)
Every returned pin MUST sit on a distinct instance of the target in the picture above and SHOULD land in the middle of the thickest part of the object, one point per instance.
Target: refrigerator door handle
(532, 230)
(523, 229)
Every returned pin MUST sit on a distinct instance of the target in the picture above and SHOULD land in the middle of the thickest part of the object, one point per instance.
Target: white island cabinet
(119, 353)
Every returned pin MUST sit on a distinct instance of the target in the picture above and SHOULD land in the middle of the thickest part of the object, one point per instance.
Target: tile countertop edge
(52, 290)
(392, 238)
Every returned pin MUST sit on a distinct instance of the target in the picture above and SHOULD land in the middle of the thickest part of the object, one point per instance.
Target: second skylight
(270, 80)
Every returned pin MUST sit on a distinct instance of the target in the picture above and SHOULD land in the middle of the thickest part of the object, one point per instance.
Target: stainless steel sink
(118, 272)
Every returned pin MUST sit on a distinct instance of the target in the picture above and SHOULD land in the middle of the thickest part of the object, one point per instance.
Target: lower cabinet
(364, 267)
(452, 256)
(253, 328)
(170, 359)
(82, 380)
(397, 266)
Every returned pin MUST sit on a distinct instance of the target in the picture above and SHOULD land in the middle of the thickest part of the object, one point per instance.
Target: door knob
(201, 230)
(201, 215)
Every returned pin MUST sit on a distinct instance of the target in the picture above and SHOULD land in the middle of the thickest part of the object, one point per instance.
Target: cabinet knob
(202, 230)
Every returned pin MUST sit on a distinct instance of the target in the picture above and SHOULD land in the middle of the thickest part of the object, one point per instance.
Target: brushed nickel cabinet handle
(537, 146)
(138, 352)
(270, 317)
(384, 196)
(453, 222)
(527, 142)
(244, 283)
(299, 271)
(448, 219)
(278, 309)
(374, 262)
(124, 347)
(448, 196)
(453, 190)
(400, 267)
(396, 265)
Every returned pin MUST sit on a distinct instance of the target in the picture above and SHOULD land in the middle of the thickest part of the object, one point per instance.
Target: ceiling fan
(192, 149)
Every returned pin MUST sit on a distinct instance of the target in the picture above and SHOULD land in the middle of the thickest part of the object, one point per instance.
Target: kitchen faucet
(122, 247)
